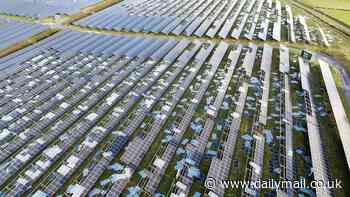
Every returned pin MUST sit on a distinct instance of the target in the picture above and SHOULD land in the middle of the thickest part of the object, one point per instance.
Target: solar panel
(41, 8)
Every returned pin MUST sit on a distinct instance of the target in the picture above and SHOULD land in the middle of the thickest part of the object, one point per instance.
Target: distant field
(335, 4)
(341, 15)
(339, 9)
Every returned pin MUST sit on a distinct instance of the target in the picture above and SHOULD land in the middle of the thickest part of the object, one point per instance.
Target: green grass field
(339, 9)
(338, 81)
(342, 15)
(334, 4)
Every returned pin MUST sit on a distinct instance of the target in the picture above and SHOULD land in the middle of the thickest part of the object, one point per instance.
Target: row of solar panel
(42, 8)
(12, 32)
(224, 19)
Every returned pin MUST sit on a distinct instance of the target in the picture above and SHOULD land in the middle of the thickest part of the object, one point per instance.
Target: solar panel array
(73, 102)
(42, 8)
(12, 32)
(85, 114)
(250, 19)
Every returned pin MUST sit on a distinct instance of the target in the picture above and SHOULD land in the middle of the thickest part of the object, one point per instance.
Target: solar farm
(158, 98)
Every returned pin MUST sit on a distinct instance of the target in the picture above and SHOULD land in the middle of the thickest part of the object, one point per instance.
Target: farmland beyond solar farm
(339, 9)
(170, 98)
